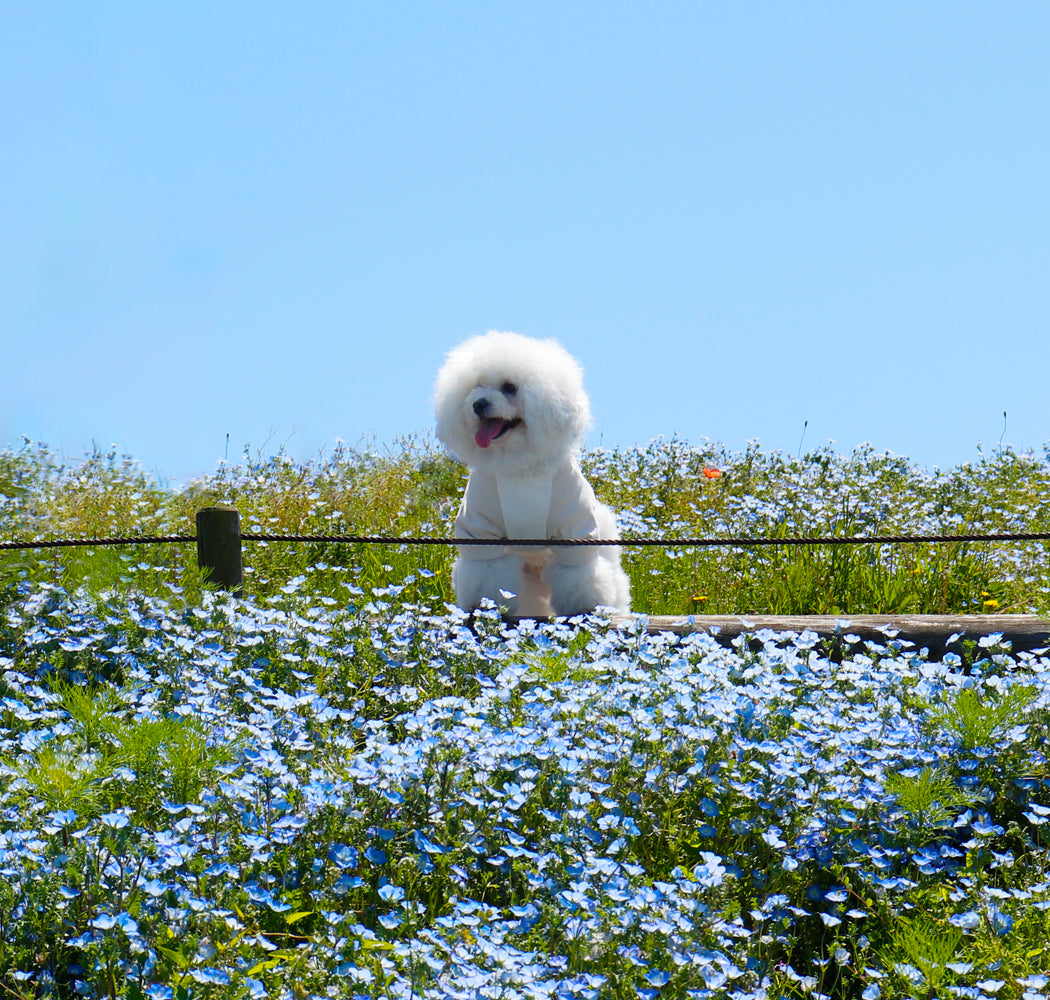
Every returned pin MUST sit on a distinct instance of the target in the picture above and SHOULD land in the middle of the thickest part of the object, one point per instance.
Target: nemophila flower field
(307, 797)
(339, 786)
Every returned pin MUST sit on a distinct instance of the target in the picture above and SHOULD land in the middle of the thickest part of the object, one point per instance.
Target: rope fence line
(65, 543)
(730, 542)
(220, 551)
(664, 542)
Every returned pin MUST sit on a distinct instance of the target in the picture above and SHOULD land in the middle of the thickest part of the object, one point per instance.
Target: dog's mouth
(492, 428)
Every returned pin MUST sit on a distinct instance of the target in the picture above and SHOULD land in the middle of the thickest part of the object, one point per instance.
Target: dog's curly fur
(514, 411)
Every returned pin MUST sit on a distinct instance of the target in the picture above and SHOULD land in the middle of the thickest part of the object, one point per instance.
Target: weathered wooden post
(219, 548)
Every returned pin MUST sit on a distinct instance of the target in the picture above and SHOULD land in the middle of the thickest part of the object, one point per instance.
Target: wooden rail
(1025, 633)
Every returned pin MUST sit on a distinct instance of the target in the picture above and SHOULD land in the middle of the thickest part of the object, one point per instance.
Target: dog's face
(498, 410)
(505, 402)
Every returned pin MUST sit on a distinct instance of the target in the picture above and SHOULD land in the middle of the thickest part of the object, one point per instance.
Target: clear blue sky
(272, 220)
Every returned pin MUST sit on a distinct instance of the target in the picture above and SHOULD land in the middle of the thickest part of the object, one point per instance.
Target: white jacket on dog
(556, 504)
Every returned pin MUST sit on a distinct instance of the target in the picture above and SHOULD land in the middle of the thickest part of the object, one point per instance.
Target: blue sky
(271, 221)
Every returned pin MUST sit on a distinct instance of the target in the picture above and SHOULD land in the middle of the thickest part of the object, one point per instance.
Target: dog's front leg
(476, 579)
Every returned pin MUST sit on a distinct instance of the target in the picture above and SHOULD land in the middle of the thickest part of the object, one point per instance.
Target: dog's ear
(450, 424)
(557, 416)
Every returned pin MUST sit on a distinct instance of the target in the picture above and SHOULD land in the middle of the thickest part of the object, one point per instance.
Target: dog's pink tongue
(488, 431)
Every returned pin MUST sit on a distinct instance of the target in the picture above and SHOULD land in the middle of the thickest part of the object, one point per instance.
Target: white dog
(513, 410)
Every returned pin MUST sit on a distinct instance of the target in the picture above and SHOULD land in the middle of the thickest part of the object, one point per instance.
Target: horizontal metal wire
(1038, 536)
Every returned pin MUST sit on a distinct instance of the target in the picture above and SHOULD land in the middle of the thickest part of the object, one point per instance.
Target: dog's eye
(508, 388)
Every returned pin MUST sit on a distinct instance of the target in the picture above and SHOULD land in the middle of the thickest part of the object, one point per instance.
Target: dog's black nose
(481, 407)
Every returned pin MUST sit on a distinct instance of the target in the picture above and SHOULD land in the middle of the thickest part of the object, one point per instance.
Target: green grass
(658, 491)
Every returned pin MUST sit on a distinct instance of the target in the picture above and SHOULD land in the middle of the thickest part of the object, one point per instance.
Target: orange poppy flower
(711, 473)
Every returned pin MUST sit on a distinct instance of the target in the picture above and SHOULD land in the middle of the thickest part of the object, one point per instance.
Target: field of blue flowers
(340, 786)
(306, 797)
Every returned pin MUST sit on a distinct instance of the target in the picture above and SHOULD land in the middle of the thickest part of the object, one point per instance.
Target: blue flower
(1035, 982)
(343, 856)
(772, 837)
(984, 827)
(1000, 922)
(966, 921)
(423, 843)
(710, 871)
(116, 820)
(1037, 814)
(264, 897)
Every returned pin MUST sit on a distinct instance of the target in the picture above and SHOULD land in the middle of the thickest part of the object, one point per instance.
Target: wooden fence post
(219, 548)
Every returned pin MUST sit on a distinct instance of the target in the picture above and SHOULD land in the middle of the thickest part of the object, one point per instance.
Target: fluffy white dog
(513, 410)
